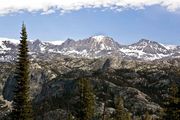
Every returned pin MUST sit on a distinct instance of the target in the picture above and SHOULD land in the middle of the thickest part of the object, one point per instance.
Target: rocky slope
(142, 84)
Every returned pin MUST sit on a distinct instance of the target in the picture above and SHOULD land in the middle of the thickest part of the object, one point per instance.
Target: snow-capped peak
(99, 38)
(58, 42)
(15, 41)
(170, 47)
(95, 46)
(144, 42)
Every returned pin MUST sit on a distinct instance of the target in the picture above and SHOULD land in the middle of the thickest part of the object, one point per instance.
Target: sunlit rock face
(142, 84)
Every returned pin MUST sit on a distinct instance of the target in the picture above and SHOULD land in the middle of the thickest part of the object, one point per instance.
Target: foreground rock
(143, 85)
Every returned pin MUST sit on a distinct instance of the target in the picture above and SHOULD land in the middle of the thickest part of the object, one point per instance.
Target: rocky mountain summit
(92, 47)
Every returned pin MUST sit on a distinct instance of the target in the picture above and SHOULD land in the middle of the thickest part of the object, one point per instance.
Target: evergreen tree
(120, 113)
(147, 116)
(22, 107)
(86, 108)
(105, 95)
(69, 117)
(172, 109)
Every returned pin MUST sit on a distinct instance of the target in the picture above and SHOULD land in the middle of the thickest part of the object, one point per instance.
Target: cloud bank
(62, 6)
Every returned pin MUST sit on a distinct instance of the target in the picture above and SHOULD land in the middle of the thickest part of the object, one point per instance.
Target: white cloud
(50, 6)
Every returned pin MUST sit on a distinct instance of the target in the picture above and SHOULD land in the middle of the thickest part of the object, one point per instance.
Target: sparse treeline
(86, 105)
(172, 104)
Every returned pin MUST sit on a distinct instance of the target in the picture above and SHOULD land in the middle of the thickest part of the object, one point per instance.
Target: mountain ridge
(92, 47)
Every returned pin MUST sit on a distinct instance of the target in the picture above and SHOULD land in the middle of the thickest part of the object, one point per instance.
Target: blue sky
(128, 26)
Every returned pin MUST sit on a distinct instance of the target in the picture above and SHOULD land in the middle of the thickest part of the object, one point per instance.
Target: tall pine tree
(87, 102)
(22, 108)
(69, 117)
(120, 113)
(147, 116)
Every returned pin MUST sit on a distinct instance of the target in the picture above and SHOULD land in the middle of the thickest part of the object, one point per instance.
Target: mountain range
(141, 73)
(92, 47)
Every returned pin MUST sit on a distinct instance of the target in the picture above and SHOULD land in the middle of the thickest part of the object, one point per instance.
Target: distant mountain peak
(68, 42)
(37, 41)
(101, 38)
(145, 40)
(14, 41)
(98, 37)
(147, 43)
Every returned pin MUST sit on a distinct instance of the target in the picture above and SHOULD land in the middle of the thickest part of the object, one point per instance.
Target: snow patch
(15, 41)
(169, 47)
(58, 42)
(140, 54)
(43, 48)
(99, 38)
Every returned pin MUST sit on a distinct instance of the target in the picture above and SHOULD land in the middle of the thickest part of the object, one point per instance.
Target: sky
(127, 21)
